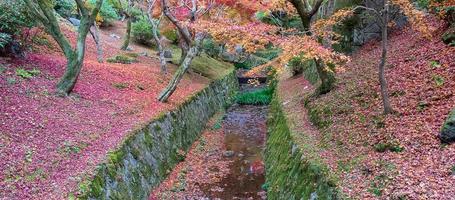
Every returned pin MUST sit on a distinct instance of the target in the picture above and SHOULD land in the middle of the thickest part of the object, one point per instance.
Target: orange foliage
(415, 17)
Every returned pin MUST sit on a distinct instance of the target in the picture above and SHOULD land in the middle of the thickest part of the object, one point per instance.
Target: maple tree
(190, 42)
(43, 11)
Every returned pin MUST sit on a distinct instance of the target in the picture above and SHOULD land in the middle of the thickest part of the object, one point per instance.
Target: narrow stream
(226, 162)
(244, 137)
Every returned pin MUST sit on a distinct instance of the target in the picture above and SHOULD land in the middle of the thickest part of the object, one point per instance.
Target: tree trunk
(75, 60)
(304, 11)
(126, 42)
(382, 80)
(299, 5)
(96, 37)
(160, 50)
(169, 90)
(184, 47)
(327, 79)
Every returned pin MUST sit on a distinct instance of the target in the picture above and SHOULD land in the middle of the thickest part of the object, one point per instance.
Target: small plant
(378, 184)
(124, 59)
(439, 80)
(120, 86)
(453, 170)
(70, 148)
(391, 146)
(26, 74)
(380, 147)
(422, 105)
(435, 64)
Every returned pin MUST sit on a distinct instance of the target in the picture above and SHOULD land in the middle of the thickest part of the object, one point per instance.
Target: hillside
(372, 156)
(50, 144)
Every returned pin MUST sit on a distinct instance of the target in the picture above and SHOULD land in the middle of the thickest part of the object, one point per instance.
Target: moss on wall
(145, 158)
(289, 173)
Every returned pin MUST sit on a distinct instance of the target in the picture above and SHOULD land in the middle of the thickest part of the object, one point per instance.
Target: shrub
(64, 7)
(107, 13)
(5, 39)
(142, 31)
(118, 5)
(210, 47)
(171, 34)
(14, 16)
(295, 66)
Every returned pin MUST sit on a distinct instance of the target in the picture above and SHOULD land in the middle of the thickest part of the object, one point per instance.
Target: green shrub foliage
(14, 16)
(171, 34)
(107, 13)
(64, 8)
(142, 31)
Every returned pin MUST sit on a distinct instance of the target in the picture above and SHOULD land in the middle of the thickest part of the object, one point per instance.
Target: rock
(74, 21)
(114, 36)
(447, 134)
(167, 54)
(228, 153)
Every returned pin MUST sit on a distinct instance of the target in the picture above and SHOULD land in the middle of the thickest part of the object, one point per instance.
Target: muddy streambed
(226, 162)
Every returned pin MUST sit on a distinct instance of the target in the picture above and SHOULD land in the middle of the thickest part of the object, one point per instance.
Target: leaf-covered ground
(353, 132)
(49, 144)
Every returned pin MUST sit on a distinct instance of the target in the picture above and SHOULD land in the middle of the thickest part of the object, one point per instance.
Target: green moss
(205, 65)
(320, 116)
(124, 59)
(290, 174)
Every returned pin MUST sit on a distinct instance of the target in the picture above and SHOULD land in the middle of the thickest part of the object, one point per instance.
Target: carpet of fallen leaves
(421, 76)
(204, 165)
(49, 144)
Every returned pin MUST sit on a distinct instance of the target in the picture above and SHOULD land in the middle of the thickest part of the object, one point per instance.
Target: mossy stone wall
(289, 174)
(149, 154)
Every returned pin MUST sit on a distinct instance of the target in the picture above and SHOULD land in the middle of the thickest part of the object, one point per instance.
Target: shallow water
(244, 131)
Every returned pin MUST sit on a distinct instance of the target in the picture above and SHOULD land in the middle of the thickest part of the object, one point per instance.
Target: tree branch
(315, 8)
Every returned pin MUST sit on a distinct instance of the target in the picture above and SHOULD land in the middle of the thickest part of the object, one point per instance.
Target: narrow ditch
(226, 162)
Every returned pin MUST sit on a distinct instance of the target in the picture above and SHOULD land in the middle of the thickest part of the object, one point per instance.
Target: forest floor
(49, 144)
(373, 156)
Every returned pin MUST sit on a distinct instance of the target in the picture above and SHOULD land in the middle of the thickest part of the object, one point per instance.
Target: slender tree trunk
(169, 90)
(161, 53)
(382, 80)
(126, 42)
(96, 37)
(75, 60)
(184, 47)
(327, 79)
